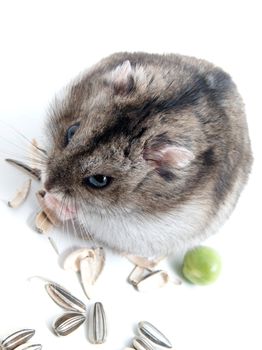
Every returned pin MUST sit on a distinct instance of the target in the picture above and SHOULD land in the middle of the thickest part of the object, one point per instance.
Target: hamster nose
(48, 185)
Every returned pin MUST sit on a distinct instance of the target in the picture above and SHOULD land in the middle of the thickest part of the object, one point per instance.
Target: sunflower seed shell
(141, 343)
(68, 323)
(64, 299)
(35, 173)
(17, 338)
(42, 223)
(49, 213)
(72, 261)
(29, 347)
(144, 262)
(86, 273)
(90, 269)
(21, 195)
(97, 327)
(153, 334)
(155, 279)
(136, 275)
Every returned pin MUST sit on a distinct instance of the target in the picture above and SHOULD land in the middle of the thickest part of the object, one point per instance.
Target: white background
(43, 44)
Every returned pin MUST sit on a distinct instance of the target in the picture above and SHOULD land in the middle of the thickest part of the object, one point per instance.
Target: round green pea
(201, 265)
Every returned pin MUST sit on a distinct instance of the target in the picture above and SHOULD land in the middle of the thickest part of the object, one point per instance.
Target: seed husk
(29, 347)
(144, 262)
(33, 172)
(72, 261)
(49, 213)
(64, 299)
(90, 268)
(42, 223)
(153, 334)
(86, 275)
(141, 343)
(34, 153)
(21, 195)
(153, 280)
(17, 338)
(97, 327)
(68, 323)
(136, 275)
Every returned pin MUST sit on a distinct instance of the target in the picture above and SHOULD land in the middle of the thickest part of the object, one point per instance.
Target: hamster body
(149, 153)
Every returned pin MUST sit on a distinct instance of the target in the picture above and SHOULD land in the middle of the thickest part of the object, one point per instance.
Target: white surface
(43, 45)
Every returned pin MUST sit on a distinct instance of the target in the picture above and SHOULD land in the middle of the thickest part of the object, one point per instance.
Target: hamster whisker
(84, 229)
(65, 228)
(73, 222)
(43, 152)
(23, 148)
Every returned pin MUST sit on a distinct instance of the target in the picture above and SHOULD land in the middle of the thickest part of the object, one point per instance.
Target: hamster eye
(70, 133)
(97, 181)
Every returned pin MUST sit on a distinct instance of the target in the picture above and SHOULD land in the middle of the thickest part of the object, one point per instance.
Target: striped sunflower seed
(68, 323)
(153, 334)
(64, 299)
(17, 338)
(97, 327)
(141, 343)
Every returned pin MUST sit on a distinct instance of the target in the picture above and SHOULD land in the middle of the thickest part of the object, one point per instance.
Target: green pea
(201, 265)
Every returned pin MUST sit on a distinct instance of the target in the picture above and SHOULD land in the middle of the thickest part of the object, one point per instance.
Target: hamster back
(148, 152)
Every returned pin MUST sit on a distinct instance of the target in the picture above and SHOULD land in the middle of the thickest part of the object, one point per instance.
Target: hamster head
(110, 145)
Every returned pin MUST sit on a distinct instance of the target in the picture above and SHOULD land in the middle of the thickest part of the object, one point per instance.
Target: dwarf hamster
(148, 152)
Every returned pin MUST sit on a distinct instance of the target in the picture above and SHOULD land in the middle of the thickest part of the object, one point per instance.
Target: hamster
(148, 153)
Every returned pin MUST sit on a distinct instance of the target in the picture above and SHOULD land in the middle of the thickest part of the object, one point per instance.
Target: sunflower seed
(64, 299)
(33, 172)
(97, 327)
(153, 280)
(141, 343)
(42, 223)
(136, 275)
(68, 322)
(21, 195)
(29, 347)
(17, 338)
(153, 334)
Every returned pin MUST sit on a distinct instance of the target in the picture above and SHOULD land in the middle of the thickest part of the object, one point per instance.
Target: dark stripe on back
(130, 119)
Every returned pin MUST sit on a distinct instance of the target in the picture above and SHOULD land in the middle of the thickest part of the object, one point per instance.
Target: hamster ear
(122, 78)
(168, 155)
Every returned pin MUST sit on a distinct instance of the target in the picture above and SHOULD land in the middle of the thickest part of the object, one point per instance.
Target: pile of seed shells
(149, 337)
(76, 314)
(18, 341)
